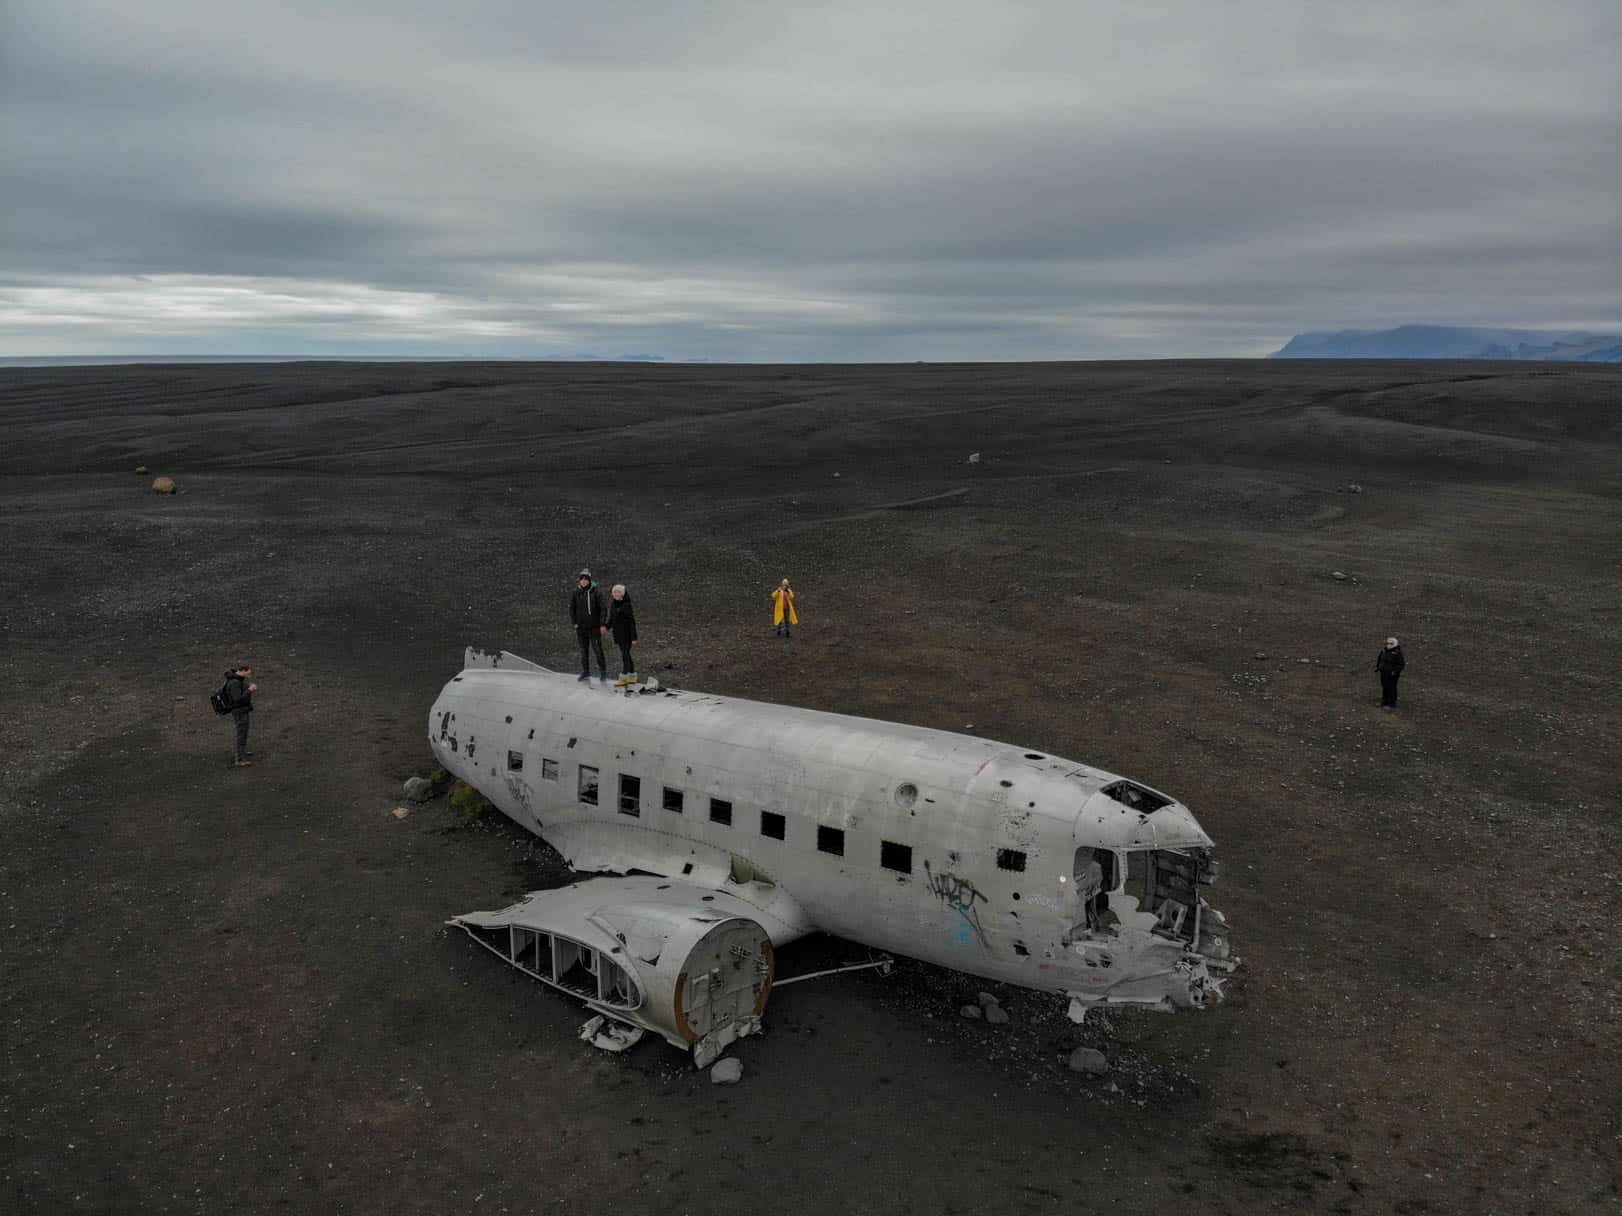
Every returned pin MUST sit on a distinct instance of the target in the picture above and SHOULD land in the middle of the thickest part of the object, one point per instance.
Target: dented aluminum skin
(959, 851)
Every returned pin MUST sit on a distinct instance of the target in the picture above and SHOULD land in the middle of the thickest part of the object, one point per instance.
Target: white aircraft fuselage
(956, 850)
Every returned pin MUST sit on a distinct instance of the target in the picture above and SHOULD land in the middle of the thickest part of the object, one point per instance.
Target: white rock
(995, 1015)
(974, 457)
(727, 1072)
(1089, 1060)
(1339, 576)
(986, 999)
(972, 1012)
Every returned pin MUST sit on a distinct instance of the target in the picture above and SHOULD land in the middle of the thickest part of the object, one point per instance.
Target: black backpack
(221, 700)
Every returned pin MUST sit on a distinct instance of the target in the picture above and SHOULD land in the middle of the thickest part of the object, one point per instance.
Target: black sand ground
(231, 991)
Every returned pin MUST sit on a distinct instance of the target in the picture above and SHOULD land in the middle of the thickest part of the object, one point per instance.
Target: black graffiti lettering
(959, 894)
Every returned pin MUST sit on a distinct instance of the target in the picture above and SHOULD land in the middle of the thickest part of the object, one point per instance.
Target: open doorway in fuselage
(1094, 874)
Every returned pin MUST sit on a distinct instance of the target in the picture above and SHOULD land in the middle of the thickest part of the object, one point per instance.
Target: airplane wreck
(737, 826)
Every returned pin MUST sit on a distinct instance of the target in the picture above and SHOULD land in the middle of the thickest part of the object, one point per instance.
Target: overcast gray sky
(800, 181)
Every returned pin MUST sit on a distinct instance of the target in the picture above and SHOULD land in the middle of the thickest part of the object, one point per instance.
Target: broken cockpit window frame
(1138, 798)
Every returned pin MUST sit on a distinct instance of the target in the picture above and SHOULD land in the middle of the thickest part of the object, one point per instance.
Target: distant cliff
(1452, 342)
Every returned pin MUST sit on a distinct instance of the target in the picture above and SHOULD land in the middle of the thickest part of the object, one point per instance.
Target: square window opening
(630, 795)
(515, 762)
(549, 769)
(721, 811)
(772, 824)
(588, 785)
(831, 840)
(1011, 859)
(673, 800)
(896, 857)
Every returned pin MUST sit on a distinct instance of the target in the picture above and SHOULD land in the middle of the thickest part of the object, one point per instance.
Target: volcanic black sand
(232, 991)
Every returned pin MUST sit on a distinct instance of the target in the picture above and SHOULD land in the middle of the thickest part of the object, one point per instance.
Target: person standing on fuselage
(239, 699)
(622, 624)
(587, 612)
(1389, 663)
(784, 618)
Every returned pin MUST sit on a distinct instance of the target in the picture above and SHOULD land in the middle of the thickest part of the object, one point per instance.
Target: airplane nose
(1176, 828)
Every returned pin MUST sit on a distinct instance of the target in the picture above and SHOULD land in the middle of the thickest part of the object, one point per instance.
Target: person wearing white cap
(1389, 663)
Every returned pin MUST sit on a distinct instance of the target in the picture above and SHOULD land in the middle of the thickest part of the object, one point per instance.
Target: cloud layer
(772, 181)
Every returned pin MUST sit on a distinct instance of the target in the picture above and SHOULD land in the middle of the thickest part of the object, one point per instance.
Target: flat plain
(233, 990)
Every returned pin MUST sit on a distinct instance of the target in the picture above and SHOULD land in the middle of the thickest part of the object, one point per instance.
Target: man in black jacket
(1389, 663)
(239, 698)
(588, 614)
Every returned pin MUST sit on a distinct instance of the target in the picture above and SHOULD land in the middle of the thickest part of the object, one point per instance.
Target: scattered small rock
(419, 789)
(1089, 1060)
(1260, 654)
(974, 457)
(164, 485)
(727, 1072)
(996, 1015)
(986, 999)
(1354, 488)
(140, 468)
(399, 812)
(1338, 575)
(836, 474)
(972, 1012)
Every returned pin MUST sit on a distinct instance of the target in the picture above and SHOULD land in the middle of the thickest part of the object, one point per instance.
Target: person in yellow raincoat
(784, 618)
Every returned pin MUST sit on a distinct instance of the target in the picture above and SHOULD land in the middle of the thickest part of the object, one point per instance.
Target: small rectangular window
(588, 785)
(831, 840)
(630, 794)
(894, 856)
(720, 811)
(1011, 859)
(771, 824)
(549, 769)
(672, 800)
(515, 761)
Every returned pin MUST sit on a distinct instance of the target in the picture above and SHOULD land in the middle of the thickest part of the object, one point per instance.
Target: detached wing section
(692, 965)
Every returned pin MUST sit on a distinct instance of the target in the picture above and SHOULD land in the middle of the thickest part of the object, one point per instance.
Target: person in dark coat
(1389, 664)
(239, 692)
(588, 613)
(622, 624)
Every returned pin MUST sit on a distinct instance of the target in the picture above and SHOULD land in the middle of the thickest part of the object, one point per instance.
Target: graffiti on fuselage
(960, 895)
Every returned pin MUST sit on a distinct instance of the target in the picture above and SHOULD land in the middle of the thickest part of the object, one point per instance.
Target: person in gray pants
(239, 691)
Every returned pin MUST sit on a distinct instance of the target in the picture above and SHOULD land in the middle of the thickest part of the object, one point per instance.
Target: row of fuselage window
(892, 856)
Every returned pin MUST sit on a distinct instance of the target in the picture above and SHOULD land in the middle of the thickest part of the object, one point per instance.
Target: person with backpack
(587, 612)
(622, 624)
(236, 695)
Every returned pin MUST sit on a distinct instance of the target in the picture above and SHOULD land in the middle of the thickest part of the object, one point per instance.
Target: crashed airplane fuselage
(983, 857)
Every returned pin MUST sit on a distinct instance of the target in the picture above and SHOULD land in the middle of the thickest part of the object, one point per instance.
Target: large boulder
(727, 1072)
(419, 789)
(164, 485)
(1089, 1060)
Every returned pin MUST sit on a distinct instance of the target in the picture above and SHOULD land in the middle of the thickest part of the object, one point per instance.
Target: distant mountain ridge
(1454, 342)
